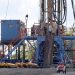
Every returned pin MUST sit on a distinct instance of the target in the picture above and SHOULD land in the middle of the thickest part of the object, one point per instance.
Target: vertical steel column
(42, 10)
(23, 52)
(58, 30)
(3, 51)
(49, 3)
(18, 52)
(9, 51)
(49, 38)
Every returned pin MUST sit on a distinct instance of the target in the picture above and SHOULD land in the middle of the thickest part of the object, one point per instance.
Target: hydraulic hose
(59, 9)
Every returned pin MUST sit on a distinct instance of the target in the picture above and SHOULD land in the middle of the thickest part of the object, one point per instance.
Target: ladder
(60, 49)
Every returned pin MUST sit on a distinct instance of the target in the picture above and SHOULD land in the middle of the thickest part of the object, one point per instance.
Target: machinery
(15, 28)
(48, 34)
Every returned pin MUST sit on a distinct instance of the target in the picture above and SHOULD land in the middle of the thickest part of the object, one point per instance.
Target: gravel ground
(32, 71)
(25, 71)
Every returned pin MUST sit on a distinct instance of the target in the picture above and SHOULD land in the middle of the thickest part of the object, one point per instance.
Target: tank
(12, 30)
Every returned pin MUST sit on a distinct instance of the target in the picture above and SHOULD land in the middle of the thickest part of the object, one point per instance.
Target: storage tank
(12, 30)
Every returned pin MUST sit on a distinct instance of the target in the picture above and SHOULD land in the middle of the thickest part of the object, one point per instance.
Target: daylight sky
(17, 9)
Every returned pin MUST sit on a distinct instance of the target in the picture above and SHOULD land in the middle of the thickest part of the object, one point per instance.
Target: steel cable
(63, 11)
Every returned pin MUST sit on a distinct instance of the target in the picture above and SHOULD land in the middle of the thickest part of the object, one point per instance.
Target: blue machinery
(39, 59)
(59, 15)
(38, 52)
(58, 41)
(60, 49)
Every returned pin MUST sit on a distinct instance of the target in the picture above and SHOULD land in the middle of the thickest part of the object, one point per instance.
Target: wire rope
(62, 13)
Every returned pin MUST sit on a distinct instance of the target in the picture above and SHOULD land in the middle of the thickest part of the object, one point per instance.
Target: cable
(7, 9)
(62, 13)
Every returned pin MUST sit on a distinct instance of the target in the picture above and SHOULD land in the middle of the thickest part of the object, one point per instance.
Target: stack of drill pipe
(24, 65)
(10, 65)
(7, 65)
(18, 64)
(2, 65)
(31, 65)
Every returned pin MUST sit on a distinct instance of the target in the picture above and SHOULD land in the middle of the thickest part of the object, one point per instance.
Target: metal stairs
(60, 49)
(68, 45)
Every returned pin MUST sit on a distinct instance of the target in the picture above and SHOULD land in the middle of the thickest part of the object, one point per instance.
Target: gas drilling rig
(49, 35)
(53, 16)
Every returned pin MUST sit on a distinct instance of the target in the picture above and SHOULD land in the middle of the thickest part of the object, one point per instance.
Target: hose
(62, 13)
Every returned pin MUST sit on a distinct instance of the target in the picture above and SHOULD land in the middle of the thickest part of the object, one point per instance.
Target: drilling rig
(48, 33)
(54, 12)
(53, 15)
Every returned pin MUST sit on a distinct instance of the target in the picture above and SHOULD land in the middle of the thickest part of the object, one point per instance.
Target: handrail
(16, 39)
(12, 49)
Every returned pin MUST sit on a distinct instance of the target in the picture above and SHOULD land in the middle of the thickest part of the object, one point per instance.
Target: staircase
(68, 45)
(60, 55)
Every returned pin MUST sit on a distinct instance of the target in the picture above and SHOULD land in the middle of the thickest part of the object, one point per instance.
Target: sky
(70, 17)
(17, 9)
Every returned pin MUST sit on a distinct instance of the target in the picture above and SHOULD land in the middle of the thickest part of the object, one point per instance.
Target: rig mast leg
(3, 50)
(9, 51)
(23, 52)
(18, 52)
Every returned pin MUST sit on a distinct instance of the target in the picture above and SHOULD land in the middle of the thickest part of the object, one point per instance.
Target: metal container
(12, 30)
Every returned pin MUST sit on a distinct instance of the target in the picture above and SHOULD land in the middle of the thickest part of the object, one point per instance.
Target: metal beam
(31, 44)
(68, 37)
(30, 38)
